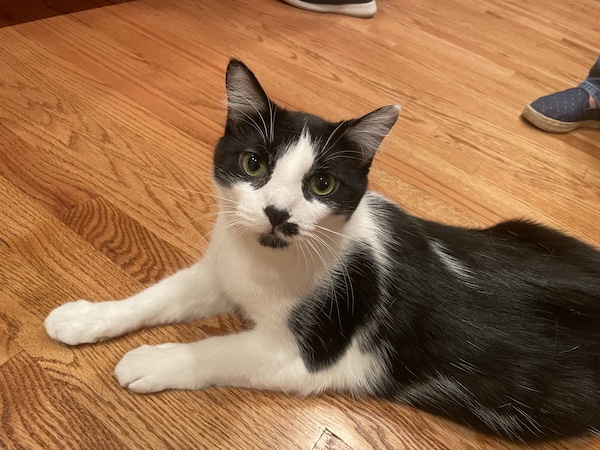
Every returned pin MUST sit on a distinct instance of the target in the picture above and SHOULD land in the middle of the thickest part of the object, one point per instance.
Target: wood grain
(8, 347)
(13, 12)
(329, 441)
(109, 111)
(121, 239)
(34, 403)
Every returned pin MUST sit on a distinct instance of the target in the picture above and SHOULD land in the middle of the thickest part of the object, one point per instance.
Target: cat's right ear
(245, 96)
(368, 131)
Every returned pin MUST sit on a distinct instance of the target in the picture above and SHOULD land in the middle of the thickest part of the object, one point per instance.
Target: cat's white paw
(156, 368)
(84, 322)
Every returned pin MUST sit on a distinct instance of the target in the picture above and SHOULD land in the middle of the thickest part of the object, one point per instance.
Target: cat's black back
(510, 343)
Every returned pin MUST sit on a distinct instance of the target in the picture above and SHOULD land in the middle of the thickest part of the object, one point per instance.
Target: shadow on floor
(14, 12)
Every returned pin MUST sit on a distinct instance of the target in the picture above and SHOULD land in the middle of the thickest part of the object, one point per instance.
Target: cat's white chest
(266, 289)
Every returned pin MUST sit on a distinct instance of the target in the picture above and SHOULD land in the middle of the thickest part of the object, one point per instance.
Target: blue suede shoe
(562, 112)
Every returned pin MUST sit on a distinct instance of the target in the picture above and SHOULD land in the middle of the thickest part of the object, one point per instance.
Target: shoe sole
(553, 125)
(362, 10)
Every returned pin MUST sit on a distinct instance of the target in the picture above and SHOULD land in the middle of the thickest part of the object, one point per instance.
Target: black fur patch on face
(289, 229)
(342, 159)
(272, 241)
(326, 322)
(229, 153)
(250, 136)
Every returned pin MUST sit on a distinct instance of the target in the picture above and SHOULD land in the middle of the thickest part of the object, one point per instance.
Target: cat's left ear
(369, 130)
(245, 96)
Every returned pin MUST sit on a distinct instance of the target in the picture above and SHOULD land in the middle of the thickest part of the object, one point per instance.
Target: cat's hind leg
(187, 295)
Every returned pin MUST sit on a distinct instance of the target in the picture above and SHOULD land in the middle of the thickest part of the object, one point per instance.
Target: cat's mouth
(271, 240)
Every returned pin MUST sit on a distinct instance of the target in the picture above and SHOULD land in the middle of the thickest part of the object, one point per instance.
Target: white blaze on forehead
(285, 186)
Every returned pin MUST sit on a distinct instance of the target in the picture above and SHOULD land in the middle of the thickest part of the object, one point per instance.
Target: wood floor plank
(124, 241)
(86, 157)
(8, 324)
(592, 176)
(329, 441)
(15, 12)
(8, 346)
(19, 156)
(195, 118)
(45, 243)
(33, 404)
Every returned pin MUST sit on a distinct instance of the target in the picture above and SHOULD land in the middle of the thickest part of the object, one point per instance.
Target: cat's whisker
(337, 233)
(234, 225)
(301, 244)
(323, 231)
(330, 286)
(338, 139)
(216, 213)
(235, 233)
(332, 158)
(344, 269)
(191, 191)
(312, 251)
(225, 199)
(223, 212)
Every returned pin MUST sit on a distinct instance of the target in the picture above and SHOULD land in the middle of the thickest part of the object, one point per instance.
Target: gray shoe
(562, 112)
(356, 8)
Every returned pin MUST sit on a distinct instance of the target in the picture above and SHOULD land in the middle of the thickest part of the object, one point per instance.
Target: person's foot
(356, 8)
(564, 111)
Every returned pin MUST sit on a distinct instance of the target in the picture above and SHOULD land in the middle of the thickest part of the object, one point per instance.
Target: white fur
(458, 268)
(236, 271)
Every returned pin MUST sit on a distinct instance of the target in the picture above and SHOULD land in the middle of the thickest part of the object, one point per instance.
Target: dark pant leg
(592, 82)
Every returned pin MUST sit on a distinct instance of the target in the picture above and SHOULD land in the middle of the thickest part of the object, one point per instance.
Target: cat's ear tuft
(245, 96)
(369, 130)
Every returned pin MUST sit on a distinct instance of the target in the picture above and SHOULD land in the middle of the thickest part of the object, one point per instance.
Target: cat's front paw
(84, 322)
(156, 368)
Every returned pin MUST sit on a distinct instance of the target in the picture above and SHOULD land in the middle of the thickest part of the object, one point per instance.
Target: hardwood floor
(108, 118)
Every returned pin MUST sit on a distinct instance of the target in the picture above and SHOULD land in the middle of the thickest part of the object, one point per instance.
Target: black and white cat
(498, 329)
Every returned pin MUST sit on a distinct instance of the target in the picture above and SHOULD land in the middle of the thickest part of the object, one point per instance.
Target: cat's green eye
(253, 165)
(322, 184)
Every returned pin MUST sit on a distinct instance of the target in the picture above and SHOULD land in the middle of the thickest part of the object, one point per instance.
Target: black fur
(272, 241)
(335, 315)
(517, 343)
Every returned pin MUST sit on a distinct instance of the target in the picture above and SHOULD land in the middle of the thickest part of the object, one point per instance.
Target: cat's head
(284, 173)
